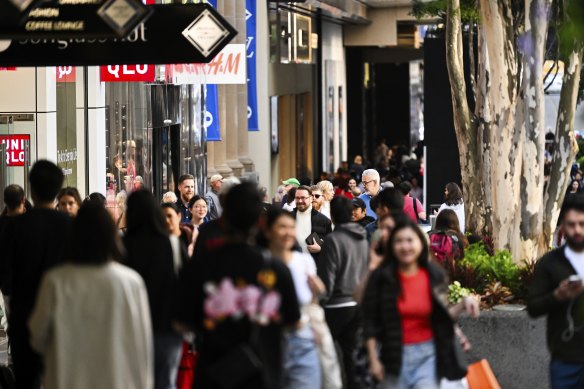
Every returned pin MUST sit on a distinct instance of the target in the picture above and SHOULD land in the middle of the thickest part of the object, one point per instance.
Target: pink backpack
(444, 244)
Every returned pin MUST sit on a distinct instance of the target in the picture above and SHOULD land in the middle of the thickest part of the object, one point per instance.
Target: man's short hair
(13, 196)
(46, 180)
(392, 199)
(405, 187)
(572, 202)
(242, 207)
(374, 174)
(184, 177)
(306, 188)
(341, 210)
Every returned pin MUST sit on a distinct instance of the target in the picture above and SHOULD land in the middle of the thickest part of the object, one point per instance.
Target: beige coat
(92, 326)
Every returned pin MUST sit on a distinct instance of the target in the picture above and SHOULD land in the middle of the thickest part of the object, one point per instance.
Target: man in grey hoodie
(342, 266)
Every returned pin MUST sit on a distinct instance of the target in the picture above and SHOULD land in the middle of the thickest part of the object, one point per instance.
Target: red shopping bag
(480, 376)
(186, 370)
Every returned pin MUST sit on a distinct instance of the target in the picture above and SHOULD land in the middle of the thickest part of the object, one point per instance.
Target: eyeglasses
(317, 196)
(367, 182)
(301, 198)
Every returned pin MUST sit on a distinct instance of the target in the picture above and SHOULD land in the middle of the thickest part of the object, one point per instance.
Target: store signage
(252, 94)
(76, 19)
(228, 67)
(159, 40)
(127, 73)
(15, 148)
(10, 69)
(65, 73)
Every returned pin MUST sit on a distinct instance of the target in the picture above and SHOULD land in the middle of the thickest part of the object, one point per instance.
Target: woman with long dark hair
(405, 310)
(69, 201)
(156, 255)
(453, 200)
(82, 324)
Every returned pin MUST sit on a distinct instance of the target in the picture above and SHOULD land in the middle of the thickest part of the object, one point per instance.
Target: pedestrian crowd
(331, 284)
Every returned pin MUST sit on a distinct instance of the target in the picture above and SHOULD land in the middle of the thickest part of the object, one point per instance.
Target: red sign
(128, 73)
(14, 148)
(65, 73)
(9, 69)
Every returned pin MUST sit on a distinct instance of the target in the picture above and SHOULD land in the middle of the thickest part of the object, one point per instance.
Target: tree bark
(464, 126)
(532, 175)
(565, 148)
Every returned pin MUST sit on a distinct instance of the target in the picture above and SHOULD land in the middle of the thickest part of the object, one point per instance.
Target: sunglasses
(317, 196)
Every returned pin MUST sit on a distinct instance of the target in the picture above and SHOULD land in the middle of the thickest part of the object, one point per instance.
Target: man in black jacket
(558, 292)
(309, 222)
(342, 266)
(37, 241)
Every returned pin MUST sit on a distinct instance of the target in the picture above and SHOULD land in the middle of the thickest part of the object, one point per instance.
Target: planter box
(514, 345)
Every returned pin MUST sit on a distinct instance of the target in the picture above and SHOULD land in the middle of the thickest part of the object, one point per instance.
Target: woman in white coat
(453, 200)
(91, 323)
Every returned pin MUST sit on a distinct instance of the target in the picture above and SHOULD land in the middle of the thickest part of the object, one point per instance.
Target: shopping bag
(186, 370)
(480, 376)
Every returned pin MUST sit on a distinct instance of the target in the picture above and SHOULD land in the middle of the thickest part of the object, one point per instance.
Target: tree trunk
(464, 125)
(501, 128)
(529, 240)
(565, 148)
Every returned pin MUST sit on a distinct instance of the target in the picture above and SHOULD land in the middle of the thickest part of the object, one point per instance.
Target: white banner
(228, 67)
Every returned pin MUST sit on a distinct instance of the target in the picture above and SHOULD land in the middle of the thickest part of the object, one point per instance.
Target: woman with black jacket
(157, 257)
(405, 310)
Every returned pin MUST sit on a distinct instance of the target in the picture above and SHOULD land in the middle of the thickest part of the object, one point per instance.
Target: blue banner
(252, 96)
(212, 106)
(212, 113)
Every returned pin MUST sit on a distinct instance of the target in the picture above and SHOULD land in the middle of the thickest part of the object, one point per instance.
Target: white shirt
(303, 227)
(576, 259)
(91, 324)
(459, 210)
(301, 266)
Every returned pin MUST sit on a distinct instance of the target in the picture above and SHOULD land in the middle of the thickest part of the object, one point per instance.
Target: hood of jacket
(353, 229)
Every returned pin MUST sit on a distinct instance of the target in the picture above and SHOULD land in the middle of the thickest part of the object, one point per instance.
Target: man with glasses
(371, 182)
(309, 222)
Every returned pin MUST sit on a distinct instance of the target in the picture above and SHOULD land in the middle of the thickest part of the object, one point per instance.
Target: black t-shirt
(237, 266)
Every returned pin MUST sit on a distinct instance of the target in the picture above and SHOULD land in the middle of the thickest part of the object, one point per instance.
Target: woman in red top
(405, 310)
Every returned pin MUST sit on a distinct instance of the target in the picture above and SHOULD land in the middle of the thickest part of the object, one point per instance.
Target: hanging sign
(127, 73)
(76, 19)
(175, 33)
(252, 95)
(15, 148)
(228, 67)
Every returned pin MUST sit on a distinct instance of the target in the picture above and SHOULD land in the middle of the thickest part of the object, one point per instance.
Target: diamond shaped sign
(123, 16)
(206, 32)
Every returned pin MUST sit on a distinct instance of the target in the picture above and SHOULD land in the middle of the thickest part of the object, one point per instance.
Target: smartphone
(575, 280)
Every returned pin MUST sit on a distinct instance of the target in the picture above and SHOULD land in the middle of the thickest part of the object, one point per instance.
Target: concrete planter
(514, 345)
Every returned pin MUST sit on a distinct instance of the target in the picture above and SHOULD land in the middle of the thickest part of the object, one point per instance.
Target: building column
(242, 121)
(231, 104)
(211, 159)
(220, 148)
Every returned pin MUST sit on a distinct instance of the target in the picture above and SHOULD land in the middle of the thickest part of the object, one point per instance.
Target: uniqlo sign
(127, 73)
(15, 146)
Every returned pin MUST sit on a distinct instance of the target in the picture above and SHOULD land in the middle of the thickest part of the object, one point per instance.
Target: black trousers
(344, 325)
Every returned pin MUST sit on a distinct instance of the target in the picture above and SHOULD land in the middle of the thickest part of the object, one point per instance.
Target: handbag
(481, 376)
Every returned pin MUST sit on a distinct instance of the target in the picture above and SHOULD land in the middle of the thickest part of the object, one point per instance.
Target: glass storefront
(154, 134)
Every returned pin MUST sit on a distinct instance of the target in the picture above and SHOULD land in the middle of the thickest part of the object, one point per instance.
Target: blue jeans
(301, 363)
(418, 370)
(167, 354)
(565, 375)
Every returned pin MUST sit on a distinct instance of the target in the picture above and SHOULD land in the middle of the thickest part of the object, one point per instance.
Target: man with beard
(557, 291)
(186, 188)
(309, 223)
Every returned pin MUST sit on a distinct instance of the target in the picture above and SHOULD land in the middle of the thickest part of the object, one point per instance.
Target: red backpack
(444, 244)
